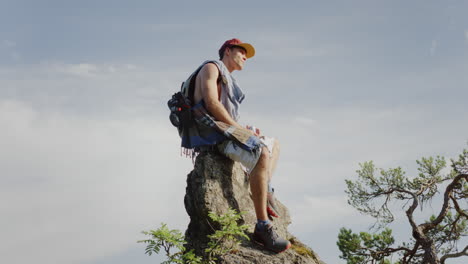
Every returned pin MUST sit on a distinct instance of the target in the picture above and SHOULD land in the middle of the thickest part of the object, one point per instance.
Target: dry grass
(301, 250)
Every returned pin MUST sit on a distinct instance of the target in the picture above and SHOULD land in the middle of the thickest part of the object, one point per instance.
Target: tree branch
(385, 252)
(428, 184)
(411, 253)
(457, 207)
(410, 211)
(464, 252)
(445, 206)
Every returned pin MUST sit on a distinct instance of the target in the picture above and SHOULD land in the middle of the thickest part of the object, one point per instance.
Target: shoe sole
(261, 244)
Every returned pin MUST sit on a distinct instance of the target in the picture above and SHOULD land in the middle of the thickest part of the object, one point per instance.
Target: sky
(89, 159)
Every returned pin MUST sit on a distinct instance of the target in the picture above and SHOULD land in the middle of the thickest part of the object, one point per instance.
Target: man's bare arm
(209, 75)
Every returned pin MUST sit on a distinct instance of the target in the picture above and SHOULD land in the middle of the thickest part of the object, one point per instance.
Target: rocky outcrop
(217, 184)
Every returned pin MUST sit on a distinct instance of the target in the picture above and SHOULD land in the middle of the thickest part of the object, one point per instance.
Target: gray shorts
(248, 159)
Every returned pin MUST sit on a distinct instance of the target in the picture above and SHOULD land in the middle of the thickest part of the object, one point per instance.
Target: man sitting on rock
(220, 95)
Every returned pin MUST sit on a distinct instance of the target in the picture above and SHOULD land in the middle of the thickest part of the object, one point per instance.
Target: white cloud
(87, 70)
(315, 212)
(8, 43)
(71, 183)
(291, 45)
(9, 48)
(82, 69)
(170, 27)
(321, 155)
(96, 89)
(305, 121)
(91, 173)
(16, 56)
(99, 175)
(434, 46)
(74, 179)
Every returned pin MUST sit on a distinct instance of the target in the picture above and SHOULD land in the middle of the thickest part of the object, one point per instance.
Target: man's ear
(227, 52)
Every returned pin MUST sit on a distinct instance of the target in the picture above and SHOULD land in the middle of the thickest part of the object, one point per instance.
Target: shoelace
(272, 233)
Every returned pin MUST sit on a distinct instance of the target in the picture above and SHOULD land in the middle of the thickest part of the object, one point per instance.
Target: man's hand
(255, 130)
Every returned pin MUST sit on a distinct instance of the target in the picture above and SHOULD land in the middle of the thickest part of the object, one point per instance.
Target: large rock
(217, 184)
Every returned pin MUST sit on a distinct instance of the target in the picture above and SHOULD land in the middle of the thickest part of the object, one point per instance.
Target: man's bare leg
(264, 233)
(272, 210)
(258, 185)
(273, 159)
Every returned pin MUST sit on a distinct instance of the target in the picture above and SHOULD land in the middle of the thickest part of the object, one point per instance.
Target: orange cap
(249, 49)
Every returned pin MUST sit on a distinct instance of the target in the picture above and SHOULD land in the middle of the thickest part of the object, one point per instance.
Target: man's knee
(264, 159)
(276, 146)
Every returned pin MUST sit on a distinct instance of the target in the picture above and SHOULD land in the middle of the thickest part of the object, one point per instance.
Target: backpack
(180, 106)
(197, 127)
(181, 102)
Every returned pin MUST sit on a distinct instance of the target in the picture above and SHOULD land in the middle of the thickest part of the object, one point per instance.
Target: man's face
(237, 55)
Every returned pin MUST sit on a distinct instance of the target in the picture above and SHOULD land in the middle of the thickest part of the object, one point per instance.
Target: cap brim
(250, 50)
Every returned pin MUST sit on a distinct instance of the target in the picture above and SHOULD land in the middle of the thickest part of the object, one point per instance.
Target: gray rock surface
(215, 185)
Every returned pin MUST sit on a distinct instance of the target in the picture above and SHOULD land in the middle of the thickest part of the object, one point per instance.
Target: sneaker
(271, 205)
(270, 240)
